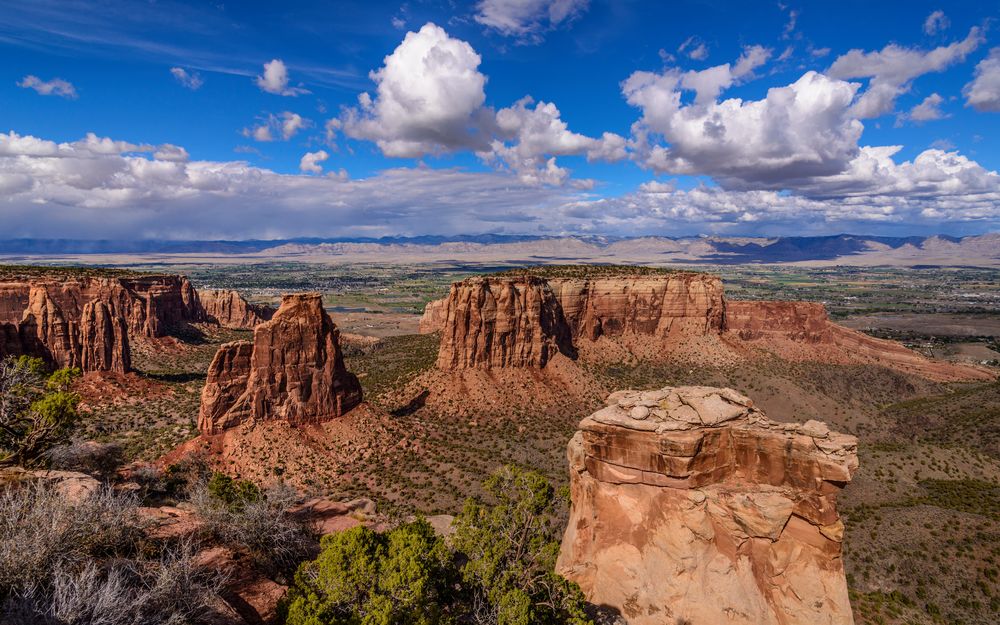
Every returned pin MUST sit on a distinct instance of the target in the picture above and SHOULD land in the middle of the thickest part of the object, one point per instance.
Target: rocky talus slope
(87, 322)
(690, 506)
(292, 371)
(512, 320)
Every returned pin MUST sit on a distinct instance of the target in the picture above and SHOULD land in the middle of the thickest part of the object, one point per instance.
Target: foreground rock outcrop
(87, 321)
(293, 371)
(690, 506)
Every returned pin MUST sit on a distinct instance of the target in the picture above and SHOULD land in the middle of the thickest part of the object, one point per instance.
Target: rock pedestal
(690, 506)
(293, 371)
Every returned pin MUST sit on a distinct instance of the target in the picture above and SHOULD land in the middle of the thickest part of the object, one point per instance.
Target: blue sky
(215, 120)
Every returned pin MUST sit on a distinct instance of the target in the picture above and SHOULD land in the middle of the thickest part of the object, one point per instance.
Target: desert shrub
(498, 568)
(36, 411)
(256, 522)
(86, 456)
(167, 591)
(234, 494)
(362, 576)
(42, 532)
(510, 549)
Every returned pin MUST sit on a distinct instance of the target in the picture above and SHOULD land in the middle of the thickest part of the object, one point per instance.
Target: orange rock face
(502, 322)
(658, 305)
(228, 308)
(88, 322)
(294, 370)
(435, 314)
(689, 505)
(511, 321)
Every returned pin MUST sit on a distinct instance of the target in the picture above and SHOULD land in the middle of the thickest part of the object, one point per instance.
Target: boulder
(705, 511)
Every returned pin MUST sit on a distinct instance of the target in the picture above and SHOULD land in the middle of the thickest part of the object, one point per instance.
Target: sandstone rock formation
(502, 322)
(88, 321)
(228, 308)
(514, 320)
(294, 371)
(690, 506)
(654, 305)
(435, 314)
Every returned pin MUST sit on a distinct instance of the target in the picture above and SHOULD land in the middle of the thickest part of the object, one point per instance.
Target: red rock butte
(523, 319)
(293, 370)
(88, 321)
(690, 506)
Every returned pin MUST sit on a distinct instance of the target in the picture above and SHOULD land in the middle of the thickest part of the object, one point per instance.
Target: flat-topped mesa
(293, 371)
(805, 321)
(501, 322)
(71, 319)
(522, 318)
(655, 305)
(227, 308)
(690, 505)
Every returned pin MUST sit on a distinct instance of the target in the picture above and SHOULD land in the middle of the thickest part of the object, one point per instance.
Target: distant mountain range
(848, 249)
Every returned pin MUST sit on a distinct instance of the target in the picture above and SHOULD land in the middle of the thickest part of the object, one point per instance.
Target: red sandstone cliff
(501, 322)
(802, 330)
(228, 308)
(293, 371)
(654, 305)
(87, 322)
(435, 314)
(522, 320)
(689, 505)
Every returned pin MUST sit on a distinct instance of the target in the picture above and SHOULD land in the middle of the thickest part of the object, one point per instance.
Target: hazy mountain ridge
(982, 250)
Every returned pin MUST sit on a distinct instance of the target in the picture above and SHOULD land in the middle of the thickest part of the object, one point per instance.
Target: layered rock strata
(227, 308)
(87, 322)
(293, 371)
(522, 321)
(513, 320)
(690, 506)
(502, 322)
(656, 305)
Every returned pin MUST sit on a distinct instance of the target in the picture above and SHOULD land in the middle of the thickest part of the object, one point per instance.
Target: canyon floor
(923, 512)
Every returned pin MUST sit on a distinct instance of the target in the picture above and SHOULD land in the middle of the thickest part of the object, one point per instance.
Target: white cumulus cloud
(983, 93)
(892, 70)
(429, 98)
(311, 162)
(275, 79)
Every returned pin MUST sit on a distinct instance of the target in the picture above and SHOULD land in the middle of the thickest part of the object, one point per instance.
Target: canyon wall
(293, 371)
(227, 308)
(654, 305)
(690, 506)
(88, 321)
(501, 322)
(522, 320)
